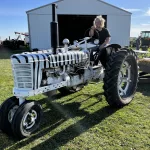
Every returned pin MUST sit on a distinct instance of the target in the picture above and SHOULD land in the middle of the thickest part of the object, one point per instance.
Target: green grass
(82, 120)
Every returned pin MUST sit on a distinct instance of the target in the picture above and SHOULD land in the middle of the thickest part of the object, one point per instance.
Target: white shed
(74, 18)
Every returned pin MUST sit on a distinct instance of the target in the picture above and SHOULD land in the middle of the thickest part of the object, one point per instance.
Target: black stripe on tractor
(37, 70)
(68, 58)
(44, 60)
(26, 58)
(64, 59)
(59, 60)
(16, 58)
(48, 56)
(78, 57)
(75, 58)
(33, 72)
(48, 59)
(71, 59)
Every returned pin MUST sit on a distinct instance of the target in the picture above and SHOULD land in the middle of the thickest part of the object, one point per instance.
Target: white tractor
(66, 69)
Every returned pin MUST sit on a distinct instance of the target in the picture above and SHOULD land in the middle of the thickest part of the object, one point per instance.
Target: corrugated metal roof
(63, 0)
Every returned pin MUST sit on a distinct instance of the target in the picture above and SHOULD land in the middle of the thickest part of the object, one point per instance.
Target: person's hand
(93, 28)
(91, 32)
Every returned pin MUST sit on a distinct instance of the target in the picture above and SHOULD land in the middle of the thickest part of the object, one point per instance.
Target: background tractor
(145, 40)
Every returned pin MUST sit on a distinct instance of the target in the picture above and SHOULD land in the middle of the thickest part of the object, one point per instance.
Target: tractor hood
(49, 59)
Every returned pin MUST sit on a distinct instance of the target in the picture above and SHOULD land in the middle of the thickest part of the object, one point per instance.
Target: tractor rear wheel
(121, 77)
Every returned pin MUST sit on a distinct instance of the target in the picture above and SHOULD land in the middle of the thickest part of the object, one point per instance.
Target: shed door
(73, 27)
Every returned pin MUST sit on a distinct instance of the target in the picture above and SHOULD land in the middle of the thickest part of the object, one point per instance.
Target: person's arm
(105, 43)
(91, 32)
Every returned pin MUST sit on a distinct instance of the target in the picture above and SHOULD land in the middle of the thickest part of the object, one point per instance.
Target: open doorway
(73, 27)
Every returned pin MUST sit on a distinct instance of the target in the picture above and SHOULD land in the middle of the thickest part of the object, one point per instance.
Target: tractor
(67, 69)
(145, 40)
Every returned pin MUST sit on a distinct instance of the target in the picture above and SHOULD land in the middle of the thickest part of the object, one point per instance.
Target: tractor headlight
(66, 41)
(96, 41)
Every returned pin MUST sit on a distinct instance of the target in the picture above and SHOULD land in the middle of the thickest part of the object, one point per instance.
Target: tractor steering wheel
(94, 37)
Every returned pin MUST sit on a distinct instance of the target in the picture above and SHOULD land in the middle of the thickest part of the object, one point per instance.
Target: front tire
(7, 110)
(26, 119)
(121, 77)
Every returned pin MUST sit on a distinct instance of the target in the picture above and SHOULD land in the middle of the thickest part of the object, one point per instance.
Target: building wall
(119, 27)
(40, 31)
(118, 21)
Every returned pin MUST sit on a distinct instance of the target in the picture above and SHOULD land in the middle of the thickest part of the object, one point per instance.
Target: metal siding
(119, 27)
(40, 31)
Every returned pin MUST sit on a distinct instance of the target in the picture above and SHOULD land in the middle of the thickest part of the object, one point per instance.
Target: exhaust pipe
(54, 30)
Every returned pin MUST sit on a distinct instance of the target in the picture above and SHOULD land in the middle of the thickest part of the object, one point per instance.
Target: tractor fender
(113, 47)
(116, 46)
(104, 54)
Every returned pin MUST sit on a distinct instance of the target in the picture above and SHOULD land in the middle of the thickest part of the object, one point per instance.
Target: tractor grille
(22, 75)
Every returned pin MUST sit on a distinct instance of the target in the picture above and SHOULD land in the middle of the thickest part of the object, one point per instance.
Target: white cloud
(145, 24)
(132, 9)
(148, 12)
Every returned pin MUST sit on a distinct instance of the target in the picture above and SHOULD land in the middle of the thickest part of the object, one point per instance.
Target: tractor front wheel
(7, 111)
(26, 119)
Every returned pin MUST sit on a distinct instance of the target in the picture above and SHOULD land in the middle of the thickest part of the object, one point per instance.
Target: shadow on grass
(58, 113)
(144, 88)
(76, 129)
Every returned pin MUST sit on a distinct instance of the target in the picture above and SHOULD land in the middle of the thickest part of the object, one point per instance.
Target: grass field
(82, 120)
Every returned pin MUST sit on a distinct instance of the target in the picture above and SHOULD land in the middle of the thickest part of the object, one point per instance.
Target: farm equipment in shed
(26, 39)
(67, 69)
(15, 43)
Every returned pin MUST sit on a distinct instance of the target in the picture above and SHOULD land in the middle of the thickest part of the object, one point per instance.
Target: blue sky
(13, 14)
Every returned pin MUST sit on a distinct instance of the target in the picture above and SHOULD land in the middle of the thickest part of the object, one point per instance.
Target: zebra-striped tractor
(67, 69)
